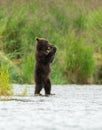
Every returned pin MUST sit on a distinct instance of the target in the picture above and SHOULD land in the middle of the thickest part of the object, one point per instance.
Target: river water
(74, 107)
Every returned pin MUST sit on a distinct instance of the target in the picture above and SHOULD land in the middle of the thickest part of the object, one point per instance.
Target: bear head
(44, 46)
(45, 51)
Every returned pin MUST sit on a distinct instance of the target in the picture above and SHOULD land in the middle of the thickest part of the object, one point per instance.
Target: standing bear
(44, 55)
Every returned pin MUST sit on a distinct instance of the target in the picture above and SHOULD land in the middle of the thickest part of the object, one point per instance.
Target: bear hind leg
(38, 88)
(47, 87)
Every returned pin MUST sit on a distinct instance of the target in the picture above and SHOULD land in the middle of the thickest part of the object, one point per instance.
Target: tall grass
(94, 26)
(5, 87)
(27, 68)
(74, 29)
(79, 62)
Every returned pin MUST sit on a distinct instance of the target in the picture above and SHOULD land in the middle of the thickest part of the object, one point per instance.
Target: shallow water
(74, 107)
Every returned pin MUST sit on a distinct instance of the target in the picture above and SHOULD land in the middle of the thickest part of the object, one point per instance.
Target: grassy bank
(74, 28)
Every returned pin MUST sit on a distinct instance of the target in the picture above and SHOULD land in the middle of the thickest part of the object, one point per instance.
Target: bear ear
(37, 39)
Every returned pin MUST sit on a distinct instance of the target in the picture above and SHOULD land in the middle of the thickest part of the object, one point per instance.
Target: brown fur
(44, 55)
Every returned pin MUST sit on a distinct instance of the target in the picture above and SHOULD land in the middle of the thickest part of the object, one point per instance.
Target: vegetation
(74, 28)
(5, 87)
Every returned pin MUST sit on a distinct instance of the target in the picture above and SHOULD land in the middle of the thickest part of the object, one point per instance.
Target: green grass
(5, 87)
(74, 28)
(79, 62)
(27, 68)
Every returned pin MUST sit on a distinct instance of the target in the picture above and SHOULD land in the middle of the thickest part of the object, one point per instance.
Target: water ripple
(74, 107)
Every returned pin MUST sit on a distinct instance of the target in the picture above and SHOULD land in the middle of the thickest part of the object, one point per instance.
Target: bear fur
(44, 55)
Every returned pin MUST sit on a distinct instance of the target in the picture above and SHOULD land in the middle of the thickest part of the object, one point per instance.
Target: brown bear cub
(44, 55)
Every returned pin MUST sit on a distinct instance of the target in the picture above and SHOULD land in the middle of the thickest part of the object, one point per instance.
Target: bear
(44, 56)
